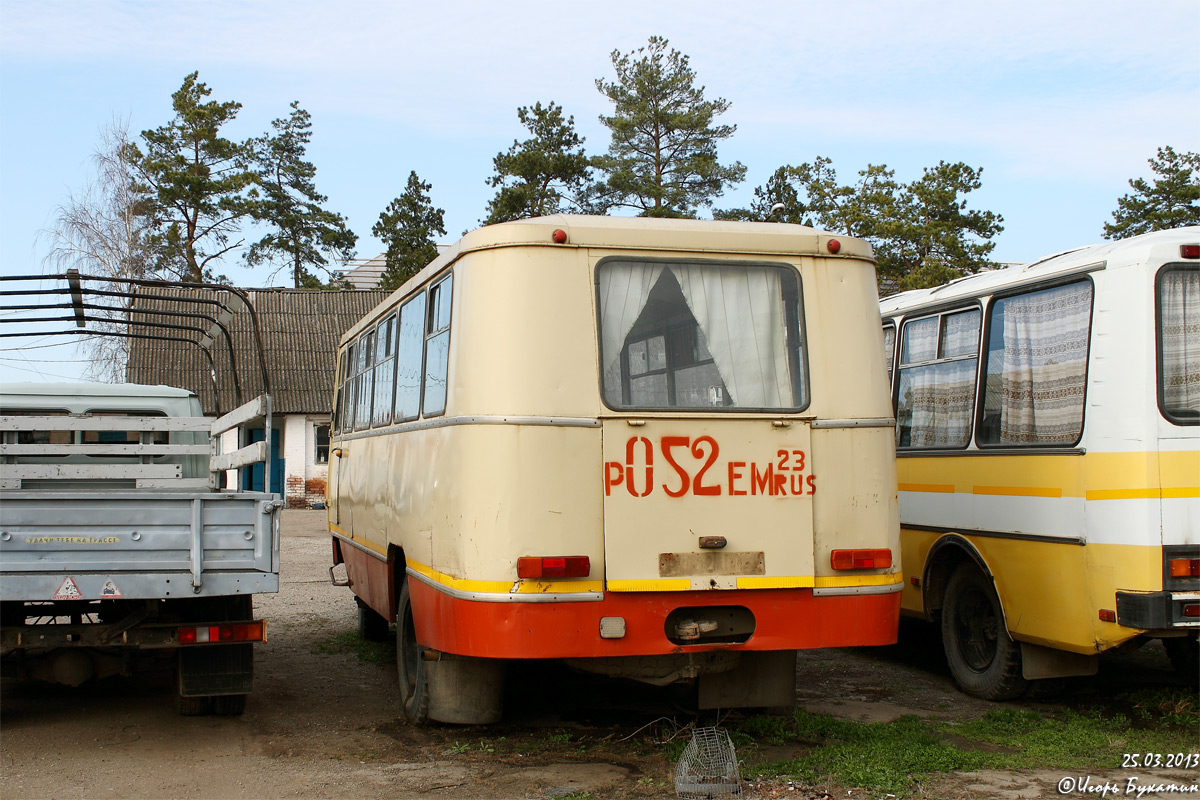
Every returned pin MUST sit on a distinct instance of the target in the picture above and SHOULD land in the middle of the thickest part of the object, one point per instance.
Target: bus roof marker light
(559, 236)
(833, 246)
(1189, 251)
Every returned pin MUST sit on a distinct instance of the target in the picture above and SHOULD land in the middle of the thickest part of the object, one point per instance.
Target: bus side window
(409, 362)
(1179, 344)
(366, 380)
(385, 351)
(935, 398)
(437, 348)
(1036, 370)
(349, 399)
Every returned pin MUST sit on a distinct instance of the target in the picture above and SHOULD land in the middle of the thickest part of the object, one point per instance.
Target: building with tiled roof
(300, 329)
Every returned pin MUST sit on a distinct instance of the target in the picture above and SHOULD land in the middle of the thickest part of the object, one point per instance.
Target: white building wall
(304, 480)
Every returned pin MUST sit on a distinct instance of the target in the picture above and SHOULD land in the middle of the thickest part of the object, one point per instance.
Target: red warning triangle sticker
(68, 590)
(110, 590)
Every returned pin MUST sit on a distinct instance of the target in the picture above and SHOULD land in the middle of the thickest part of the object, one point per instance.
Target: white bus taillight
(861, 559)
(225, 633)
(554, 567)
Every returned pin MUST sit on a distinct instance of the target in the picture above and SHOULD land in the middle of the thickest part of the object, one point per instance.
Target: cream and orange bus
(651, 448)
(1049, 459)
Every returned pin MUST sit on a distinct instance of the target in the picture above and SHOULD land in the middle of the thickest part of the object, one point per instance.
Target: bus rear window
(700, 336)
(1179, 344)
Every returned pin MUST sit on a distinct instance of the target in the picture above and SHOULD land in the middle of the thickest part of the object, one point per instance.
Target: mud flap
(760, 680)
(216, 670)
(464, 691)
(1038, 663)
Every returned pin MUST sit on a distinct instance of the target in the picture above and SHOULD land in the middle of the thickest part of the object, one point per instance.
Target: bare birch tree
(102, 231)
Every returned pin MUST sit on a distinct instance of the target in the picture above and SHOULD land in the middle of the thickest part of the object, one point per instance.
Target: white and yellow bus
(1049, 459)
(638, 445)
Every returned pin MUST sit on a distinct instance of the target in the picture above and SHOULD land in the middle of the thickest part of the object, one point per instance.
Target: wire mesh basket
(708, 767)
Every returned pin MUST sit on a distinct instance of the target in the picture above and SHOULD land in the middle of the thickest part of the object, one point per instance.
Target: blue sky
(1060, 103)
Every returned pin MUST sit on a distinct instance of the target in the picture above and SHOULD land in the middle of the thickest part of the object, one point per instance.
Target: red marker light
(540, 567)
(1108, 615)
(860, 559)
(560, 236)
(1189, 251)
(1185, 567)
(833, 245)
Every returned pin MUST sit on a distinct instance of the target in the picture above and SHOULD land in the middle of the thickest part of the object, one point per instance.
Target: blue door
(252, 478)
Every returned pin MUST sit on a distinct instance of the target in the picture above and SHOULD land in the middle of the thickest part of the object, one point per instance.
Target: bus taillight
(225, 633)
(860, 559)
(554, 567)
(1185, 567)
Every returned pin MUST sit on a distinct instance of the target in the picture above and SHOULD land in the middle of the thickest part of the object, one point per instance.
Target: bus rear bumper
(1158, 610)
(783, 619)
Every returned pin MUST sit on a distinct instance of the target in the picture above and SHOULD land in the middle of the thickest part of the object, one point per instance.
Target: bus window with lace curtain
(693, 335)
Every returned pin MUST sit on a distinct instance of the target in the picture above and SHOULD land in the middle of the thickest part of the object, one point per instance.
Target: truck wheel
(371, 625)
(1184, 652)
(414, 683)
(229, 705)
(195, 706)
(983, 658)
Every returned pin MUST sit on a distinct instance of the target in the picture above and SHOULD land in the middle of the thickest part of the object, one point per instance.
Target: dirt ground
(323, 724)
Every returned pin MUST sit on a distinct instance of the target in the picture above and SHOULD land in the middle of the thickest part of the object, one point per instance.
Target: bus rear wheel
(372, 627)
(414, 681)
(983, 658)
(1184, 652)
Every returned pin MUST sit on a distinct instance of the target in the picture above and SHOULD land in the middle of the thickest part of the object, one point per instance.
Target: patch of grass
(379, 653)
(893, 757)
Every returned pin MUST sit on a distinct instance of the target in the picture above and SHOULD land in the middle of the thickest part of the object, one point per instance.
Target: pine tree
(407, 227)
(662, 160)
(542, 175)
(1172, 200)
(303, 235)
(197, 181)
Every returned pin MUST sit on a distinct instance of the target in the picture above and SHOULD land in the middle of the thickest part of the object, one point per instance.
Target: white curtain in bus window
(1179, 335)
(408, 359)
(700, 336)
(437, 349)
(936, 393)
(1037, 367)
(385, 351)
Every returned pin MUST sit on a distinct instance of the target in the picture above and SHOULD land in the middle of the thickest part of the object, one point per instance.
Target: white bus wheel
(414, 684)
(983, 658)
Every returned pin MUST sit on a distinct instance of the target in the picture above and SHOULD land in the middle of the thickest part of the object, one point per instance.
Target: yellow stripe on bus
(835, 581)
(1018, 491)
(1093, 476)
(1143, 494)
(666, 585)
(366, 543)
(942, 488)
(800, 582)
(506, 587)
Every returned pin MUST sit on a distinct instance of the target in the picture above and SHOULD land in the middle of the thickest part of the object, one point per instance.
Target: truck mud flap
(217, 670)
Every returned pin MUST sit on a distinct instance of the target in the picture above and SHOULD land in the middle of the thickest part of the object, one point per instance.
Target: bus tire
(372, 627)
(410, 664)
(983, 659)
(1184, 652)
(229, 705)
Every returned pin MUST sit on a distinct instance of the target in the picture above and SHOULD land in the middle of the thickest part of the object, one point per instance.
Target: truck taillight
(554, 567)
(861, 559)
(1184, 567)
(224, 633)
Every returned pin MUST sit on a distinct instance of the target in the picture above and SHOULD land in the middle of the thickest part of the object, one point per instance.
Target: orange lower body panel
(785, 619)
